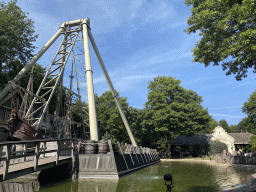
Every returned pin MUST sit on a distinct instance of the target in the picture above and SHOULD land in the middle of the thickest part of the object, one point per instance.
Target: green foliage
(233, 129)
(172, 110)
(107, 136)
(223, 123)
(203, 147)
(16, 38)
(217, 147)
(110, 118)
(248, 123)
(211, 126)
(253, 143)
(227, 29)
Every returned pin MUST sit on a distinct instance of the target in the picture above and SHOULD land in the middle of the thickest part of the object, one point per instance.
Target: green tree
(253, 143)
(110, 118)
(217, 147)
(233, 129)
(16, 38)
(211, 126)
(171, 110)
(223, 123)
(248, 123)
(228, 30)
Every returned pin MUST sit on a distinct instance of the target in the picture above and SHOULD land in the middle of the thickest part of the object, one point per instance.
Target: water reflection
(187, 176)
(19, 186)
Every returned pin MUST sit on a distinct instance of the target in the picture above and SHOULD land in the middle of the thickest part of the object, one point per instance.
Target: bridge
(24, 157)
(19, 158)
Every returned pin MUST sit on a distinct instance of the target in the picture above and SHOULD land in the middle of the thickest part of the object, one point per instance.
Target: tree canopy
(223, 123)
(228, 33)
(16, 40)
(250, 110)
(108, 114)
(172, 110)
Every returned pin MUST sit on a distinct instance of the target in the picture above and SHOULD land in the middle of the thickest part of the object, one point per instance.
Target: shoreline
(248, 186)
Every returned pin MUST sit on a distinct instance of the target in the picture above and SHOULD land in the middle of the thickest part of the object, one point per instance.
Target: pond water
(188, 176)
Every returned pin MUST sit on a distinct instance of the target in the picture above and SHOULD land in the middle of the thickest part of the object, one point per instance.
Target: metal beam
(91, 101)
(112, 89)
(32, 62)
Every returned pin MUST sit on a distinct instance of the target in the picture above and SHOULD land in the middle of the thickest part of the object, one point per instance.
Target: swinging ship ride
(27, 118)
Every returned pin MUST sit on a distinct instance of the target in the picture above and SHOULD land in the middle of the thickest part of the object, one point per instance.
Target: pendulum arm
(91, 102)
(112, 89)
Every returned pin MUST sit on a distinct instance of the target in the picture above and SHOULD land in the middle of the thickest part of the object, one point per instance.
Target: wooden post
(72, 154)
(110, 147)
(119, 146)
(78, 147)
(44, 148)
(7, 160)
(73, 148)
(36, 156)
(140, 153)
(25, 151)
(58, 152)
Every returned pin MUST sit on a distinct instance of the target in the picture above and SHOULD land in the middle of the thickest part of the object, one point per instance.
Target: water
(188, 176)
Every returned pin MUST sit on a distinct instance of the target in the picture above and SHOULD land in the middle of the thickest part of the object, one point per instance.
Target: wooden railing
(36, 151)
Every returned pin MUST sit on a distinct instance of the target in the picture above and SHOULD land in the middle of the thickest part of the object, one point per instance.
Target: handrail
(36, 153)
(33, 141)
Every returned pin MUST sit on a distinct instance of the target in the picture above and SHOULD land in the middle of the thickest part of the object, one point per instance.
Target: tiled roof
(241, 138)
(193, 140)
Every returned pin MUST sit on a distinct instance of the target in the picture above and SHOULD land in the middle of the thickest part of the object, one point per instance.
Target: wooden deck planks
(30, 164)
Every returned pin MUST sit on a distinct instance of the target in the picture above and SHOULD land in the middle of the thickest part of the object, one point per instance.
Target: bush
(218, 147)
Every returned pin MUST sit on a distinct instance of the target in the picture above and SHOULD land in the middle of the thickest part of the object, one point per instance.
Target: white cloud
(227, 115)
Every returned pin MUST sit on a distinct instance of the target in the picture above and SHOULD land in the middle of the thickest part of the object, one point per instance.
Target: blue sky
(139, 40)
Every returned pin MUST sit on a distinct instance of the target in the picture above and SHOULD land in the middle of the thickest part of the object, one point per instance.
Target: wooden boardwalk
(42, 158)
(20, 169)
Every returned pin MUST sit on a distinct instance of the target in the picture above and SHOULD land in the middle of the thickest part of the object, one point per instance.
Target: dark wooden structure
(115, 164)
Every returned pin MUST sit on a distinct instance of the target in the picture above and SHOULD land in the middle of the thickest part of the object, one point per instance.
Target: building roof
(241, 138)
(193, 140)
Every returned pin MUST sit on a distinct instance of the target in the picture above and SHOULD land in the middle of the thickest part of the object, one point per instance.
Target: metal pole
(32, 62)
(91, 102)
(112, 89)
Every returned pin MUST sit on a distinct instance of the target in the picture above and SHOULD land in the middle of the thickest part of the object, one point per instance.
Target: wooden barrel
(103, 147)
(91, 147)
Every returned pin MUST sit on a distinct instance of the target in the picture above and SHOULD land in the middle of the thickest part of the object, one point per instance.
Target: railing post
(110, 147)
(44, 148)
(58, 152)
(7, 160)
(25, 151)
(73, 148)
(36, 156)
(119, 146)
(78, 147)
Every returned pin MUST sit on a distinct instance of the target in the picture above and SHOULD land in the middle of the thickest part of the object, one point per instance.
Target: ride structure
(36, 109)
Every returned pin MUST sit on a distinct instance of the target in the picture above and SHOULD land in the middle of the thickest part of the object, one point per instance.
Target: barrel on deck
(91, 147)
(103, 146)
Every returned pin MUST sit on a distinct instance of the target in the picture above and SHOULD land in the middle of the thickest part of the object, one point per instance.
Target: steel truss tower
(73, 32)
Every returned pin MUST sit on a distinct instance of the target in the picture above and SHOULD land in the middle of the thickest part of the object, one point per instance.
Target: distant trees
(223, 123)
(253, 143)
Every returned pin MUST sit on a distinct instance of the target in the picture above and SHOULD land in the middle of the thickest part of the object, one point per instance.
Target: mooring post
(7, 160)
